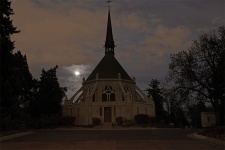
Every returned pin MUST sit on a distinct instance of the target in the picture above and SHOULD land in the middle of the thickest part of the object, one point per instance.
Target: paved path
(154, 139)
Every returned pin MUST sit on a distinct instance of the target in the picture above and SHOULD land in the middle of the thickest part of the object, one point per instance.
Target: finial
(96, 76)
(109, 1)
(119, 76)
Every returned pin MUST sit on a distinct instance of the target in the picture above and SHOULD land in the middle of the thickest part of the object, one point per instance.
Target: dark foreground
(154, 139)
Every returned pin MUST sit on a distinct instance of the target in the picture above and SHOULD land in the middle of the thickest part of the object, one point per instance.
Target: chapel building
(108, 92)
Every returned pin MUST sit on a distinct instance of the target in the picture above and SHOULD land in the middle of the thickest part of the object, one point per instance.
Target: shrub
(151, 120)
(142, 119)
(119, 121)
(67, 121)
(127, 123)
(96, 121)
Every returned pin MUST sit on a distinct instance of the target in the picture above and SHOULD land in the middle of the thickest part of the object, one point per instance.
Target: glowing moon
(77, 73)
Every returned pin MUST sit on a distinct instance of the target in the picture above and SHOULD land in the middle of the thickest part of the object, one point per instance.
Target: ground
(115, 139)
(214, 132)
(10, 132)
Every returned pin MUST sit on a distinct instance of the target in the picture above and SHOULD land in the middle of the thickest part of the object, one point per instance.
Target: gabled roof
(109, 68)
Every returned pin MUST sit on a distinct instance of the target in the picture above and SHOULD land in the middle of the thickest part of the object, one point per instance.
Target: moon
(77, 73)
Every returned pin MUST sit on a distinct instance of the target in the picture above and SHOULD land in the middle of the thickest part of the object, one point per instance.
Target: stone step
(107, 125)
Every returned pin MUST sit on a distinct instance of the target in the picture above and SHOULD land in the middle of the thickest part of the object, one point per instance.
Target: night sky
(71, 34)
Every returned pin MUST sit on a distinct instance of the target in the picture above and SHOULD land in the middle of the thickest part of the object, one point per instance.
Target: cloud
(132, 21)
(83, 69)
(155, 47)
(167, 39)
(68, 79)
(218, 21)
(70, 33)
(56, 38)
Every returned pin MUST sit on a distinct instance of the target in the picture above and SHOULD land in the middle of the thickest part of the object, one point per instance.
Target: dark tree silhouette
(25, 79)
(49, 95)
(156, 92)
(15, 77)
(201, 70)
(195, 113)
(176, 106)
(9, 103)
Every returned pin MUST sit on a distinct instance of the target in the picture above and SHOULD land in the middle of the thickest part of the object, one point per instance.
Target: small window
(93, 98)
(90, 90)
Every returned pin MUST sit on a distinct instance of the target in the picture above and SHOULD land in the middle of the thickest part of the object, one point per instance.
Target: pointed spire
(109, 43)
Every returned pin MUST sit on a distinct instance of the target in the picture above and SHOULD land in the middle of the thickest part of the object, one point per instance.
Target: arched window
(104, 97)
(128, 91)
(112, 97)
(90, 89)
(93, 98)
(108, 94)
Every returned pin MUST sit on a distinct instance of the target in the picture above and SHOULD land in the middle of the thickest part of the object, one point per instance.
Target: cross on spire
(109, 1)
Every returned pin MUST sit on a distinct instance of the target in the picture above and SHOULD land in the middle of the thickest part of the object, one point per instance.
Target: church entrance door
(107, 114)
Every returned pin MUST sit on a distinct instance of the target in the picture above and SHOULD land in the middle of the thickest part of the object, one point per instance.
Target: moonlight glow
(77, 73)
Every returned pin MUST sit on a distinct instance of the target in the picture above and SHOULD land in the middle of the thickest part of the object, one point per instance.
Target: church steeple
(109, 42)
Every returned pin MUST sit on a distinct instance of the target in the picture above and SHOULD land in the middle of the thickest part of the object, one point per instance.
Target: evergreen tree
(49, 95)
(25, 79)
(15, 77)
(156, 92)
(9, 104)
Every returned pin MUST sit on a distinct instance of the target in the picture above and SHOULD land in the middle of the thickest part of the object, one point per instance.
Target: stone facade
(107, 99)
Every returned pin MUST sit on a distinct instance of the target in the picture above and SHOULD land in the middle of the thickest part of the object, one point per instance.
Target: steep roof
(109, 42)
(109, 68)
